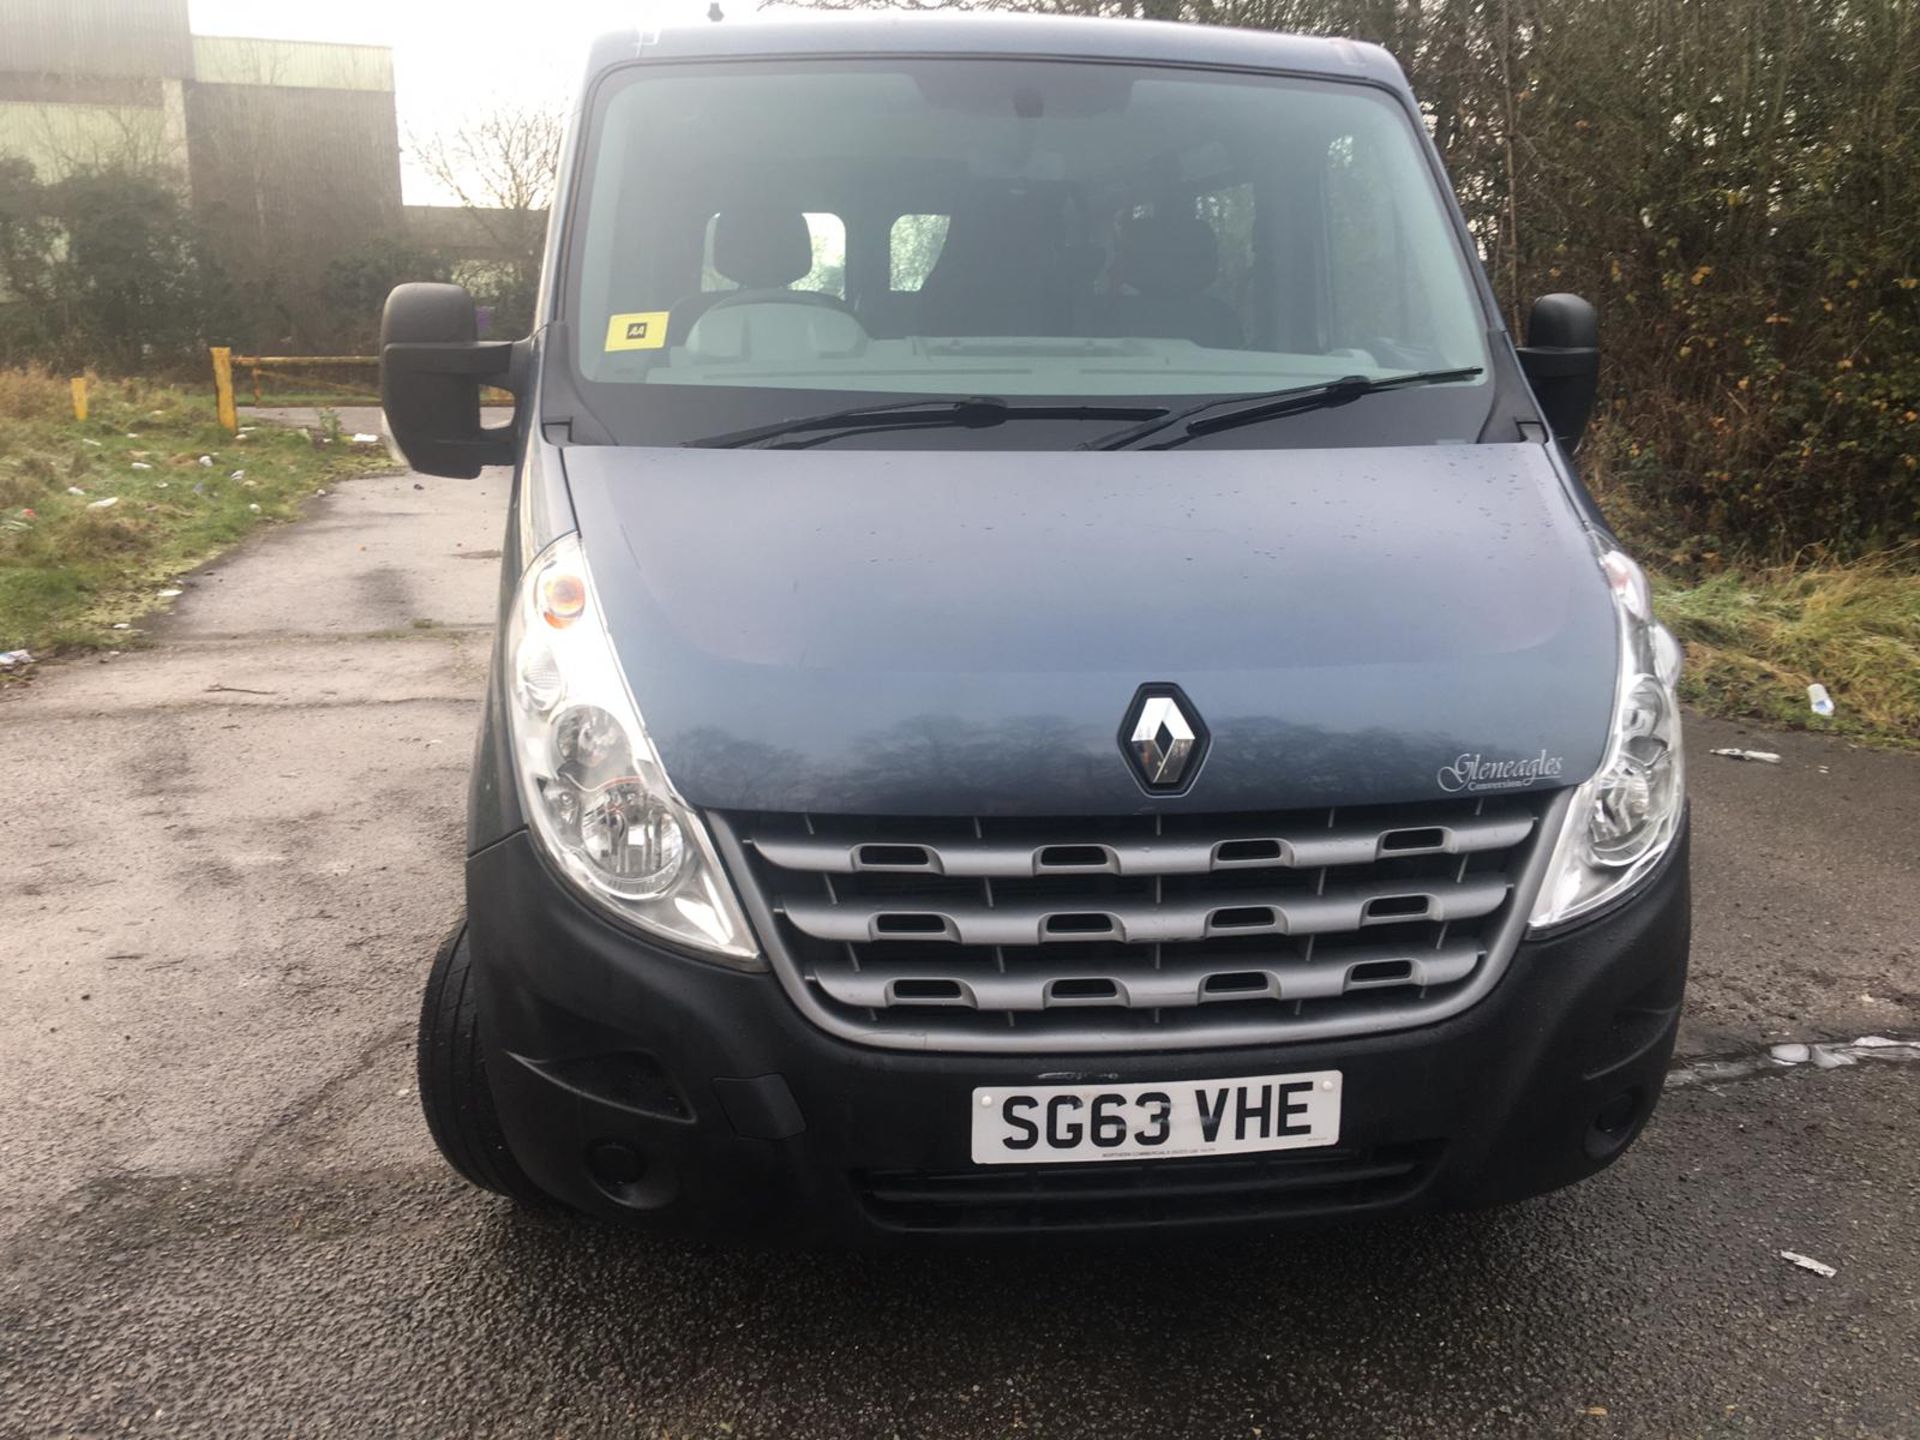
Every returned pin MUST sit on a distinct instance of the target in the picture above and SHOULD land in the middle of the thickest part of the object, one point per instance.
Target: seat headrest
(762, 247)
(1168, 255)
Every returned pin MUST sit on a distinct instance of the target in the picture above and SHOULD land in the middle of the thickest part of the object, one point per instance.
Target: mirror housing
(1562, 362)
(432, 366)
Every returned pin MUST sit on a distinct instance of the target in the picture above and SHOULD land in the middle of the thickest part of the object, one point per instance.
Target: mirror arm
(1548, 362)
(505, 364)
(479, 358)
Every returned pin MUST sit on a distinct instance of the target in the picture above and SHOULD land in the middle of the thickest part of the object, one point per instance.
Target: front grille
(1137, 931)
(1159, 1192)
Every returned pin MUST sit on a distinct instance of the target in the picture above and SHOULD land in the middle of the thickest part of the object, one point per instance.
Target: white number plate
(1046, 1124)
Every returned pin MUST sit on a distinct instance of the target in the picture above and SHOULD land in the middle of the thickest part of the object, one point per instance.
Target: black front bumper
(637, 1083)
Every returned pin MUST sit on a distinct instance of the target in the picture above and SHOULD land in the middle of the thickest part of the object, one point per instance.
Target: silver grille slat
(1025, 922)
(1297, 850)
(878, 986)
(1147, 931)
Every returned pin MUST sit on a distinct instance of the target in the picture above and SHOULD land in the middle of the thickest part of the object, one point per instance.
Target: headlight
(1623, 819)
(590, 782)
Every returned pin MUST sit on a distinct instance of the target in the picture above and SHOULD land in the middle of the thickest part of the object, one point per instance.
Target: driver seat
(763, 249)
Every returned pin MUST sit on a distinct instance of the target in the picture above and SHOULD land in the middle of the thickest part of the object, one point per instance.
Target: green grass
(1756, 640)
(271, 398)
(69, 572)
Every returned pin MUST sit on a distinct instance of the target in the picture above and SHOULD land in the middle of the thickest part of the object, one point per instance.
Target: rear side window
(1377, 283)
(913, 245)
(1229, 213)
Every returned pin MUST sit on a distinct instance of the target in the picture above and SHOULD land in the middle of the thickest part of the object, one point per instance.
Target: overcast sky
(452, 59)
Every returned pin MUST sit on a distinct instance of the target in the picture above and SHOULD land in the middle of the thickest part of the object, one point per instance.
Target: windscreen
(758, 240)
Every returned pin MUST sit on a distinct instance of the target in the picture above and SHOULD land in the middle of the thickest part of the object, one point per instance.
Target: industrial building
(289, 150)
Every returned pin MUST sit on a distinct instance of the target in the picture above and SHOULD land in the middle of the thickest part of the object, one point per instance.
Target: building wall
(459, 233)
(96, 37)
(290, 150)
(87, 83)
(58, 137)
(287, 179)
(231, 60)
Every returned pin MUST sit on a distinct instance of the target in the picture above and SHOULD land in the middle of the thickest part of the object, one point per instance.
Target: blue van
(1053, 674)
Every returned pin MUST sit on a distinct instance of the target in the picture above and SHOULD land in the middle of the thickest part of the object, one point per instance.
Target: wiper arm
(972, 412)
(1197, 420)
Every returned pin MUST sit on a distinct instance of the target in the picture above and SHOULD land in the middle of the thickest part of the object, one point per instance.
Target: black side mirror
(431, 369)
(1562, 362)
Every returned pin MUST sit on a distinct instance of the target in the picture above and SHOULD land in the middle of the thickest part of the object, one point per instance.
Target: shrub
(32, 393)
(356, 286)
(102, 267)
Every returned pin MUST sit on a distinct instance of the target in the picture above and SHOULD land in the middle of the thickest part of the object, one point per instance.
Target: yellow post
(78, 385)
(223, 388)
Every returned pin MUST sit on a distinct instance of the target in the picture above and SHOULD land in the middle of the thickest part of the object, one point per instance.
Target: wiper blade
(1197, 420)
(971, 412)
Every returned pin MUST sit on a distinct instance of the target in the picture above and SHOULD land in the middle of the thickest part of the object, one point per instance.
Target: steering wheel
(786, 297)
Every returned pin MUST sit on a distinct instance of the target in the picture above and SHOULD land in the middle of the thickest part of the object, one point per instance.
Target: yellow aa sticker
(645, 330)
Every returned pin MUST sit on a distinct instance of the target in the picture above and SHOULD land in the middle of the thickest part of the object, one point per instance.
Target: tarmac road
(224, 861)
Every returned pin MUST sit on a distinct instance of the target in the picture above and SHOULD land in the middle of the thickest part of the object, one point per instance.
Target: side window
(913, 244)
(829, 274)
(1366, 273)
(1229, 214)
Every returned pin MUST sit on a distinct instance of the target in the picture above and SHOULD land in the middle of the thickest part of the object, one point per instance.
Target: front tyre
(453, 1079)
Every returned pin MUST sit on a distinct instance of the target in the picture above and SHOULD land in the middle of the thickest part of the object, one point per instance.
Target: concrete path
(366, 419)
(226, 857)
(225, 860)
(1806, 883)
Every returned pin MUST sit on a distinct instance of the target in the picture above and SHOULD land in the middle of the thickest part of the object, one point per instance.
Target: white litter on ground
(106, 504)
(1807, 1262)
(1778, 1059)
(1765, 757)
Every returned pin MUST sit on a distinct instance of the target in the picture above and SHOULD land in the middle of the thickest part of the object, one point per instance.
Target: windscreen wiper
(972, 412)
(1197, 420)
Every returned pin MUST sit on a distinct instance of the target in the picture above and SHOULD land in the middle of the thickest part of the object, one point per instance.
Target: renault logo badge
(1163, 738)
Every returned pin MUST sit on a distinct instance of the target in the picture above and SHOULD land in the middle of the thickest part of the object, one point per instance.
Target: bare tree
(130, 139)
(502, 168)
